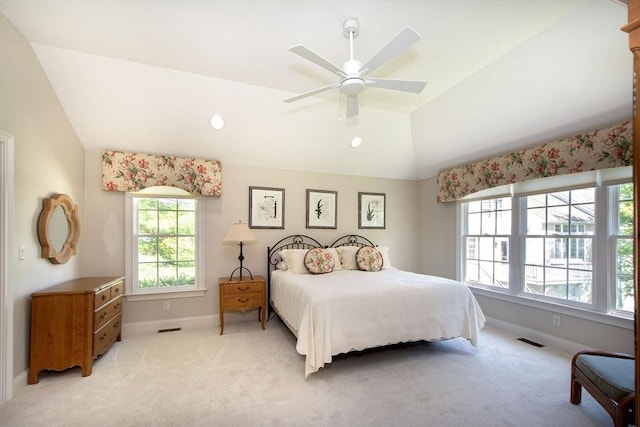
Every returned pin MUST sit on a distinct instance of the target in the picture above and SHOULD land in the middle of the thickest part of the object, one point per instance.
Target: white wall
(48, 159)
(103, 233)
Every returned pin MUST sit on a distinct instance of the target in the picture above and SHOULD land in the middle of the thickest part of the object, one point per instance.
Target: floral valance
(135, 171)
(600, 149)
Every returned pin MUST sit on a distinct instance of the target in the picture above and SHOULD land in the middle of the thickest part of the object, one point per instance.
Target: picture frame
(266, 207)
(371, 210)
(322, 209)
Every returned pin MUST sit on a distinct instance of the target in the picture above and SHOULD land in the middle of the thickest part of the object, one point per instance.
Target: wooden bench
(609, 378)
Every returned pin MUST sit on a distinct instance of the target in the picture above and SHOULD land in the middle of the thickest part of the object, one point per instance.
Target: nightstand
(242, 295)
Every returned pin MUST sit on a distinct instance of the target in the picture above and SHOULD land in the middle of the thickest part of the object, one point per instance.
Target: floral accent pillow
(319, 261)
(369, 259)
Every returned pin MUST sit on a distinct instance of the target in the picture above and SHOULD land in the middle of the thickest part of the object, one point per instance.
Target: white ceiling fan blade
(312, 92)
(400, 42)
(413, 86)
(310, 55)
(352, 105)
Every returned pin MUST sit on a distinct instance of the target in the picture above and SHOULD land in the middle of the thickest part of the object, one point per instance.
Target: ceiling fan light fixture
(216, 122)
(355, 142)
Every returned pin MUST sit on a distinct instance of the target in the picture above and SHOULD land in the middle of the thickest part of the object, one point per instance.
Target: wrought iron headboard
(295, 241)
(351, 240)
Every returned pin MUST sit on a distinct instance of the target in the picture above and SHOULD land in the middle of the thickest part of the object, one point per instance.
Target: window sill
(604, 318)
(165, 295)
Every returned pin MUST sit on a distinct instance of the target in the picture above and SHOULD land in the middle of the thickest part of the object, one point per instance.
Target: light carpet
(250, 377)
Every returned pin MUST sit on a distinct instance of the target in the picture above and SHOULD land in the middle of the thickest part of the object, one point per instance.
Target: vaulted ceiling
(502, 74)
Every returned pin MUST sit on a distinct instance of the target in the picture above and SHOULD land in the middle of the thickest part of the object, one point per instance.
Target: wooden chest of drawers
(242, 295)
(73, 323)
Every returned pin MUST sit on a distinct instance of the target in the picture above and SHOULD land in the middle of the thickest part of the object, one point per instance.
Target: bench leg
(576, 391)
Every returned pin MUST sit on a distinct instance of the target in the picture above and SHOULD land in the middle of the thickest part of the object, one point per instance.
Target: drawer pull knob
(103, 336)
(117, 306)
(104, 297)
(103, 315)
(243, 299)
(243, 289)
(115, 325)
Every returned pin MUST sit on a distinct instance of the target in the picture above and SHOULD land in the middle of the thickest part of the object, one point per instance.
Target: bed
(340, 307)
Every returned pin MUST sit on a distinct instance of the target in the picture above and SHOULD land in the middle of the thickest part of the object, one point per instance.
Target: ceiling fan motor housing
(352, 85)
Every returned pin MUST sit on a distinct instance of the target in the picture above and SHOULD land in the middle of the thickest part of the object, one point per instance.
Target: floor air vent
(169, 330)
(533, 343)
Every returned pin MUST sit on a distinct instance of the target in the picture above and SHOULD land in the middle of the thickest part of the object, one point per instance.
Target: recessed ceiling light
(355, 142)
(216, 122)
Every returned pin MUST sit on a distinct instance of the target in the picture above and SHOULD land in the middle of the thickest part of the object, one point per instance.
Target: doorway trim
(6, 265)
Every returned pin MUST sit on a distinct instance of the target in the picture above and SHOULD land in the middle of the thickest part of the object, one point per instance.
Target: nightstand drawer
(242, 288)
(243, 302)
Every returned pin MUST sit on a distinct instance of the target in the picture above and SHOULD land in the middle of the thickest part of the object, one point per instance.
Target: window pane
(148, 222)
(486, 248)
(583, 195)
(472, 248)
(558, 215)
(186, 273)
(147, 249)
(147, 275)
(534, 250)
(504, 222)
(168, 274)
(186, 248)
(473, 224)
(580, 286)
(536, 220)
(536, 200)
(488, 223)
(625, 218)
(472, 271)
(624, 275)
(167, 248)
(555, 282)
(473, 206)
(560, 198)
(186, 223)
(167, 222)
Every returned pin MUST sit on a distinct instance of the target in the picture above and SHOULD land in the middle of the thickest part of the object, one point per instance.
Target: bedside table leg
(221, 322)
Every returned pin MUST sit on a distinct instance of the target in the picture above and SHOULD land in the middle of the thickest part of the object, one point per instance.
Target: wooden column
(633, 28)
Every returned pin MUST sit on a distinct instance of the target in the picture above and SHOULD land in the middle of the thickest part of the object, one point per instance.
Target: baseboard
(20, 382)
(537, 336)
(136, 328)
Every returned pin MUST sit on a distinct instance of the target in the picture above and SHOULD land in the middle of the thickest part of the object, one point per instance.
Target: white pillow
(336, 259)
(348, 257)
(385, 257)
(294, 258)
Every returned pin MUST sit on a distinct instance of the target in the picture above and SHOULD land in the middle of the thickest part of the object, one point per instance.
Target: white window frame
(603, 307)
(132, 291)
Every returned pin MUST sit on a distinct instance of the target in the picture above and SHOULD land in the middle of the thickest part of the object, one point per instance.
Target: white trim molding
(6, 265)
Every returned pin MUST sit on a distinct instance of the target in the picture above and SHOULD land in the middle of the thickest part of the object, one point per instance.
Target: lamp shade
(239, 232)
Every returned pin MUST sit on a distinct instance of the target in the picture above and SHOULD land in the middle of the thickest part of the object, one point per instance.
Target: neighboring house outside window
(556, 238)
(164, 244)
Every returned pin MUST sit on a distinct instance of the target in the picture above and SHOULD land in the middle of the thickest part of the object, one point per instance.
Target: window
(623, 247)
(487, 241)
(551, 252)
(164, 254)
(558, 244)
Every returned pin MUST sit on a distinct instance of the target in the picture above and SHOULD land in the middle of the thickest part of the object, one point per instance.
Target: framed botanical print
(266, 207)
(371, 210)
(322, 209)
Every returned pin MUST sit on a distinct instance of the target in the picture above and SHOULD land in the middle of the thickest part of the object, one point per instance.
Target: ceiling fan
(353, 73)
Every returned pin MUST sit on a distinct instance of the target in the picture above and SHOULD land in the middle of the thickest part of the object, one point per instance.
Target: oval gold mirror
(58, 228)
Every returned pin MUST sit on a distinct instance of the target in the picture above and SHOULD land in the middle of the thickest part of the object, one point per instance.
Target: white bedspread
(353, 310)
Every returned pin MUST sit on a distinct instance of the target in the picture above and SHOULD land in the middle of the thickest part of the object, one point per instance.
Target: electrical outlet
(165, 305)
(556, 320)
